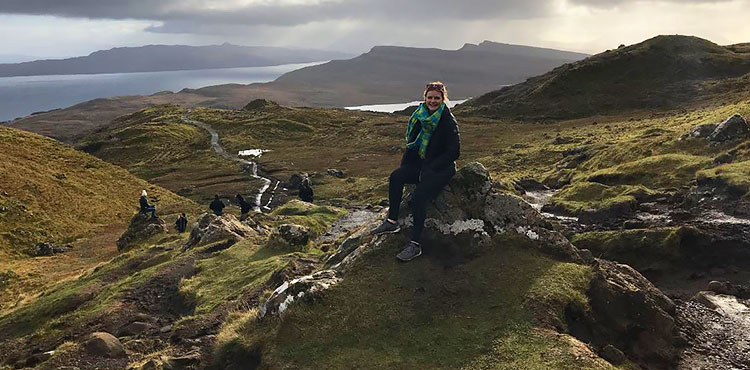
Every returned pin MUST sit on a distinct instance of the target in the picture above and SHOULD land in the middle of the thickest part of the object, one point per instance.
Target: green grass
(639, 248)
(421, 315)
(733, 175)
(241, 269)
(53, 193)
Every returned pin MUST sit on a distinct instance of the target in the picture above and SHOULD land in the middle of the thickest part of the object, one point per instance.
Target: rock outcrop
(291, 236)
(463, 219)
(211, 228)
(733, 128)
(142, 227)
(629, 313)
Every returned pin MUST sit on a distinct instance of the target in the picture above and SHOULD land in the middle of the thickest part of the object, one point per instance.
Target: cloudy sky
(62, 28)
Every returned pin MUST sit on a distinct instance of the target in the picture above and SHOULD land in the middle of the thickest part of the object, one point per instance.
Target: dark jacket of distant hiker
(245, 207)
(443, 149)
(305, 192)
(217, 206)
(181, 223)
(146, 208)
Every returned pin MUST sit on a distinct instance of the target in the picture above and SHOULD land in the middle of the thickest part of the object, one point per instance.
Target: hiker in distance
(181, 223)
(432, 146)
(306, 191)
(145, 207)
(245, 207)
(217, 205)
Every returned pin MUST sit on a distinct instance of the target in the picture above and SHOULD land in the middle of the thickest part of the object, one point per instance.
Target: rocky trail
(263, 192)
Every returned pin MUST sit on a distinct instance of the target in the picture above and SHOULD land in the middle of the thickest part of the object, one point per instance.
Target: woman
(432, 146)
(145, 207)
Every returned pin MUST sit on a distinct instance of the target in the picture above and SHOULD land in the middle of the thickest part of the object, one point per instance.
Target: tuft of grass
(735, 176)
(317, 218)
(638, 247)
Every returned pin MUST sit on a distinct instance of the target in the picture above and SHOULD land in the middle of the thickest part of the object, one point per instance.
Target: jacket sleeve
(452, 149)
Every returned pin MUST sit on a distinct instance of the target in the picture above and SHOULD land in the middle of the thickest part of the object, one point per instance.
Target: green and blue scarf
(429, 124)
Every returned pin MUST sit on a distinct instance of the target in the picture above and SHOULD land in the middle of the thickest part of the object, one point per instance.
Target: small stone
(104, 345)
(336, 173)
(165, 329)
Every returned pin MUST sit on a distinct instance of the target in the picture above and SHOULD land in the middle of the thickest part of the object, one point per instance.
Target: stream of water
(254, 165)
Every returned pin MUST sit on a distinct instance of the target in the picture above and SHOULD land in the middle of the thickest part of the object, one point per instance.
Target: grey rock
(292, 235)
(103, 344)
(47, 249)
(733, 128)
(142, 227)
(629, 312)
(306, 288)
(211, 228)
(165, 329)
(701, 131)
(336, 173)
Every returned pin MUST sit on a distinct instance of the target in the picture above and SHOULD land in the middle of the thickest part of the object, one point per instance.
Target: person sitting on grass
(181, 223)
(432, 146)
(245, 207)
(217, 205)
(145, 207)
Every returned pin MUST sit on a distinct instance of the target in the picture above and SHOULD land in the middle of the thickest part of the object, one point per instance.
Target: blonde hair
(436, 86)
(143, 193)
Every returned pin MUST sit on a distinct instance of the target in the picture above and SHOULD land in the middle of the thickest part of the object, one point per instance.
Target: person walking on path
(306, 191)
(181, 223)
(217, 205)
(432, 146)
(145, 207)
(245, 207)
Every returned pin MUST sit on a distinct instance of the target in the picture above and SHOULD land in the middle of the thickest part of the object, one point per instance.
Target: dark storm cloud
(421, 11)
(181, 16)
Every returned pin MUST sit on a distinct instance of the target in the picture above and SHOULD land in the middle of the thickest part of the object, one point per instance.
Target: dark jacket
(443, 149)
(217, 206)
(306, 193)
(144, 204)
(181, 223)
(245, 207)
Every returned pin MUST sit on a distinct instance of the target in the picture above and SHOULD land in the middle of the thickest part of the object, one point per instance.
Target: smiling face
(433, 99)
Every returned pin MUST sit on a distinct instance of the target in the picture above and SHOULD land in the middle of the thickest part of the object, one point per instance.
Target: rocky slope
(662, 72)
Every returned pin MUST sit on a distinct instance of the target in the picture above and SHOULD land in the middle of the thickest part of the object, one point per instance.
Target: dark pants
(428, 188)
(148, 209)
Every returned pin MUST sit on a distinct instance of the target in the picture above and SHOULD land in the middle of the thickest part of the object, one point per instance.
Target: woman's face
(433, 99)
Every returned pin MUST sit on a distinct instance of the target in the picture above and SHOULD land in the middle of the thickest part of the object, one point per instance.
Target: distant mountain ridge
(388, 74)
(662, 72)
(385, 74)
(154, 58)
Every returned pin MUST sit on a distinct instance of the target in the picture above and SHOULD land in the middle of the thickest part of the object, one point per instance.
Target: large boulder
(211, 228)
(470, 210)
(733, 128)
(104, 345)
(291, 236)
(142, 227)
(629, 313)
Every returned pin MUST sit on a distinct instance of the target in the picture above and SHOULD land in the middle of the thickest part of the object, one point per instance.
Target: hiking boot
(386, 228)
(410, 252)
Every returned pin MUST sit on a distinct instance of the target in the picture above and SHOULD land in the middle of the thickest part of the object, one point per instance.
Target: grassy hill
(660, 73)
(50, 192)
